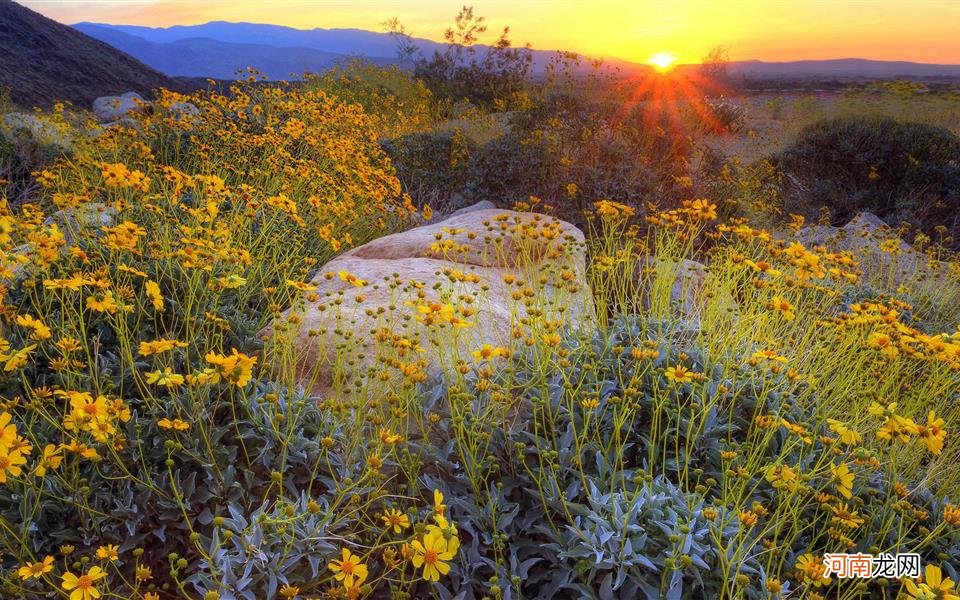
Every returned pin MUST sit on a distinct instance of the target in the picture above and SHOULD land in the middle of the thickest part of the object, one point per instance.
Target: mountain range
(195, 56)
(844, 68)
(42, 60)
(219, 48)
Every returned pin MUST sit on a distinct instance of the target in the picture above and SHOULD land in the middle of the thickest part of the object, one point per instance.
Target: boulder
(418, 303)
(69, 221)
(113, 109)
(180, 110)
(183, 115)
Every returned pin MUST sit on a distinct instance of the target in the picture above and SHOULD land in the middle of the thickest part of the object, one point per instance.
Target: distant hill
(219, 48)
(249, 44)
(337, 41)
(843, 68)
(207, 57)
(42, 61)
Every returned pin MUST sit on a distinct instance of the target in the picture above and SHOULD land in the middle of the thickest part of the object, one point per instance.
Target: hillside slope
(42, 61)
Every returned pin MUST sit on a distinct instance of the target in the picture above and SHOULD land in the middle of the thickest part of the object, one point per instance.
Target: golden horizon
(770, 31)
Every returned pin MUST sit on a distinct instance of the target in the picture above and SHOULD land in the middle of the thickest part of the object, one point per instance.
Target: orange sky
(917, 30)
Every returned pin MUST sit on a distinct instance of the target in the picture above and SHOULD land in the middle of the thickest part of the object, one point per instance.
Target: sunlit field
(653, 370)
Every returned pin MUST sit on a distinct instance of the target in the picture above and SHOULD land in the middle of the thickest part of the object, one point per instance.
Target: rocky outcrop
(482, 205)
(420, 302)
(183, 115)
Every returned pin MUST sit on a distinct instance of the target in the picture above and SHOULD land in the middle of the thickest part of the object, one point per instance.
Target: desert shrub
(512, 168)
(565, 151)
(486, 75)
(433, 167)
(751, 190)
(505, 169)
(901, 171)
(399, 102)
(723, 115)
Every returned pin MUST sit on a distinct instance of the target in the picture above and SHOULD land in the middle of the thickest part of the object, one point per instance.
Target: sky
(772, 30)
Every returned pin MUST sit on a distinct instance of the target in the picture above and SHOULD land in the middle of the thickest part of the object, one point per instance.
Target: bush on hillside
(723, 115)
(901, 171)
(463, 69)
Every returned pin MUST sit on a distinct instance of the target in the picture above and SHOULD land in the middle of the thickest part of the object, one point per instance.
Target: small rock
(885, 258)
(110, 109)
(15, 124)
(184, 109)
(90, 215)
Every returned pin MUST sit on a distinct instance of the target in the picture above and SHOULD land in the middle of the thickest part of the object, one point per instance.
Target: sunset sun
(663, 61)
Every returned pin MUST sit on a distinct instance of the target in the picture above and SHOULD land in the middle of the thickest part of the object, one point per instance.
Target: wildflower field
(162, 436)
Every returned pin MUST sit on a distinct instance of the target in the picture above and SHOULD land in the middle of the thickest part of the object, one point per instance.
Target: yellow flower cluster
(893, 339)
(96, 415)
(430, 551)
(236, 367)
(899, 428)
(14, 449)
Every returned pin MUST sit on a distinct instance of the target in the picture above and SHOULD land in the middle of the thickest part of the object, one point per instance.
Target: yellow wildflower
(433, 553)
(153, 292)
(165, 377)
(678, 374)
(36, 569)
(933, 586)
(393, 518)
(348, 569)
(40, 331)
(83, 587)
(843, 478)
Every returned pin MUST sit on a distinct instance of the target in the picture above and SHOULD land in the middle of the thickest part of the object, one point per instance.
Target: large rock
(112, 109)
(366, 334)
(69, 222)
(181, 110)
